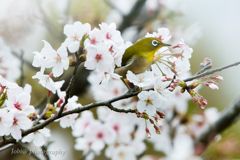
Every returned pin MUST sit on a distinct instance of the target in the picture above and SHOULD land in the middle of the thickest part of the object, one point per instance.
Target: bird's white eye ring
(154, 43)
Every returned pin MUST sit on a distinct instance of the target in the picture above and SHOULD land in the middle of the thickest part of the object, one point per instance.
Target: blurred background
(211, 28)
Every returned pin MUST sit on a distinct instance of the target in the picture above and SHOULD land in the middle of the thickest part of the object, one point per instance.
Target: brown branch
(227, 117)
(68, 90)
(128, 19)
(96, 104)
(211, 71)
(24, 60)
(113, 6)
(44, 149)
(76, 110)
(22, 74)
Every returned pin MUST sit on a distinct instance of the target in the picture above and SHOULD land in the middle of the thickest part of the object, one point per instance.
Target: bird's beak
(166, 44)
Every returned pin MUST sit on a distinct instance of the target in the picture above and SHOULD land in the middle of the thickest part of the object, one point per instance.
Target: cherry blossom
(38, 137)
(148, 102)
(82, 123)
(108, 79)
(121, 152)
(99, 57)
(74, 34)
(56, 59)
(94, 38)
(140, 80)
(99, 135)
(161, 87)
(110, 35)
(46, 81)
(84, 145)
(162, 34)
(6, 120)
(20, 102)
(69, 120)
(20, 121)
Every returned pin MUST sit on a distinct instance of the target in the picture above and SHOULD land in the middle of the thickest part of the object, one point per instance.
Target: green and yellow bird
(139, 57)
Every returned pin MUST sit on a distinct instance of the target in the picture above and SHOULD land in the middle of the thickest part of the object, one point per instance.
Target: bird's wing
(129, 62)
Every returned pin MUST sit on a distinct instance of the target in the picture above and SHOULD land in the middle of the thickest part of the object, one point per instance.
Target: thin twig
(68, 90)
(44, 149)
(204, 69)
(6, 147)
(211, 71)
(48, 23)
(128, 19)
(113, 6)
(24, 61)
(22, 74)
(97, 104)
(41, 115)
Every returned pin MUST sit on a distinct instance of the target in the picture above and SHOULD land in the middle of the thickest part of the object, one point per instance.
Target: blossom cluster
(121, 134)
(15, 109)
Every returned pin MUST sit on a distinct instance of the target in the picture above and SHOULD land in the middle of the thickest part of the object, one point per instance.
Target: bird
(139, 57)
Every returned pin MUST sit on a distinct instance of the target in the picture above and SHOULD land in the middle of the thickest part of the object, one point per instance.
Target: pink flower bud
(151, 121)
(160, 114)
(170, 89)
(200, 105)
(212, 86)
(164, 78)
(50, 75)
(49, 93)
(176, 80)
(172, 85)
(148, 134)
(60, 102)
(195, 99)
(217, 78)
(203, 101)
(158, 131)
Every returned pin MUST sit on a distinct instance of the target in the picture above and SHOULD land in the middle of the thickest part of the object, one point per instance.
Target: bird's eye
(154, 43)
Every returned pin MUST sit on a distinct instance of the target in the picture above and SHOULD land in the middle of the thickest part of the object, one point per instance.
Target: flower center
(121, 154)
(93, 40)
(160, 38)
(98, 57)
(75, 38)
(58, 58)
(148, 102)
(141, 78)
(15, 121)
(108, 36)
(18, 106)
(111, 49)
(100, 135)
(116, 127)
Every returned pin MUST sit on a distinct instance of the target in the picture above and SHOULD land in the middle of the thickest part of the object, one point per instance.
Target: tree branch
(113, 6)
(227, 117)
(68, 90)
(211, 71)
(22, 74)
(24, 61)
(107, 103)
(127, 20)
